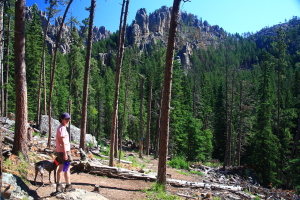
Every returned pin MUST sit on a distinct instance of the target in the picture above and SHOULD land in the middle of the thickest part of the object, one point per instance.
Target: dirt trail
(111, 188)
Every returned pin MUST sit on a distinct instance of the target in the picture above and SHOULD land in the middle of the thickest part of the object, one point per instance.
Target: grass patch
(197, 172)
(184, 173)
(135, 163)
(17, 165)
(187, 173)
(157, 192)
(179, 163)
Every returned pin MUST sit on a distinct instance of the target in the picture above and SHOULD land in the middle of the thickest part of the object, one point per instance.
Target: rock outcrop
(145, 31)
(99, 33)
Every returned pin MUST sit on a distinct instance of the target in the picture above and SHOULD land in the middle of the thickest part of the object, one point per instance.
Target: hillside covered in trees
(234, 98)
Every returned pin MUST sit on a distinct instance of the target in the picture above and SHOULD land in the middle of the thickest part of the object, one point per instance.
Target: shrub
(179, 163)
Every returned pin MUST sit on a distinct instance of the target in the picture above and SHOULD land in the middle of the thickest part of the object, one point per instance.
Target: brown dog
(47, 165)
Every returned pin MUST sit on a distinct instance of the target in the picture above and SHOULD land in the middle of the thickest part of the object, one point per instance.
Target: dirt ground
(111, 188)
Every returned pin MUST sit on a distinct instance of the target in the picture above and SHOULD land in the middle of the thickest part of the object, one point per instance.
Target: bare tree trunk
(124, 115)
(227, 150)
(86, 76)
(165, 108)
(7, 54)
(70, 122)
(158, 127)
(148, 120)
(20, 138)
(116, 139)
(53, 72)
(240, 127)
(230, 124)
(43, 71)
(1, 163)
(1, 58)
(141, 119)
(122, 29)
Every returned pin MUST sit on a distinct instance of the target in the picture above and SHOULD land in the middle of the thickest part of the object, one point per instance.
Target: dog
(47, 165)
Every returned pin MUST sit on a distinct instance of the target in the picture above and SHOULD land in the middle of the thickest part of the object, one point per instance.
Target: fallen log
(115, 172)
(7, 130)
(8, 140)
(180, 183)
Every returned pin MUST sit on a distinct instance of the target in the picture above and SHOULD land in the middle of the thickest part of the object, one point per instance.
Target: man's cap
(64, 116)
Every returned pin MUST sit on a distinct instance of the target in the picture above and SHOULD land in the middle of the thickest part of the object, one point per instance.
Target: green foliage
(18, 165)
(207, 100)
(179, 163)
(197, 172)
(33, 51)
(157, 192)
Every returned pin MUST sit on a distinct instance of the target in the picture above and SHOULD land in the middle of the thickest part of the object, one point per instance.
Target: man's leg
(69, 187)
(59, 175)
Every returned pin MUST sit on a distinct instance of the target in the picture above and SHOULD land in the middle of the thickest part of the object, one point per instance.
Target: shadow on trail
(107, 187)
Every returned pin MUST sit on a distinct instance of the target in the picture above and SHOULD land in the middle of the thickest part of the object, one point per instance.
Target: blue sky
(234, 16)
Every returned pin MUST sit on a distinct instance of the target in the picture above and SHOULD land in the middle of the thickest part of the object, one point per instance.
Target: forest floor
(111, 188)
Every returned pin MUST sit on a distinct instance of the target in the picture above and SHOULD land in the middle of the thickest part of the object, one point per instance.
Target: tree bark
(20, 138)
(53, 71)
(141, 119)
(116, 139)
(86, 76)
(1, 58)
(122, 29)
(124, 115)
(240, 127)
(43, 70)
(148, 120)
(7, 55)
(165, 108)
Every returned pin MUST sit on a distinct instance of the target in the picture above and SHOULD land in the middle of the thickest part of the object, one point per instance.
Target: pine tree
(264, 142)
(20, 138)
(33, 53)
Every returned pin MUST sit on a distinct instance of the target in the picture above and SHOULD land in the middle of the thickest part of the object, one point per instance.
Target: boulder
(75, 132)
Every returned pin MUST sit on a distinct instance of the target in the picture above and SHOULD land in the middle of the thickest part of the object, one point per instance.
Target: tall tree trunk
(124, 115)
(141, 119)
(7, 54)
(20, 139)
(157, 135)
(165, 108)
(148, 120)
(43, 71)
(122, 29)
(45, 89)
(240, 127)
(86, 76)
(70, 122)
(116, 139)
(1, 60)
(227, 150)
(230, 157)
(53, 72)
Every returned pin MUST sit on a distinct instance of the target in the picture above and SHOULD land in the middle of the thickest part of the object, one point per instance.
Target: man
(63, 148)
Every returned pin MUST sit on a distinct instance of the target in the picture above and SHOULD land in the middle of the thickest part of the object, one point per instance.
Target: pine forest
(235, 98)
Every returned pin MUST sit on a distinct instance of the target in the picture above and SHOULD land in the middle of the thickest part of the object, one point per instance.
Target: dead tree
(86, 75)
(141, 119)
(122, 29)
(42, 77)
(167, 87)
(148, 120)
(53, 71)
